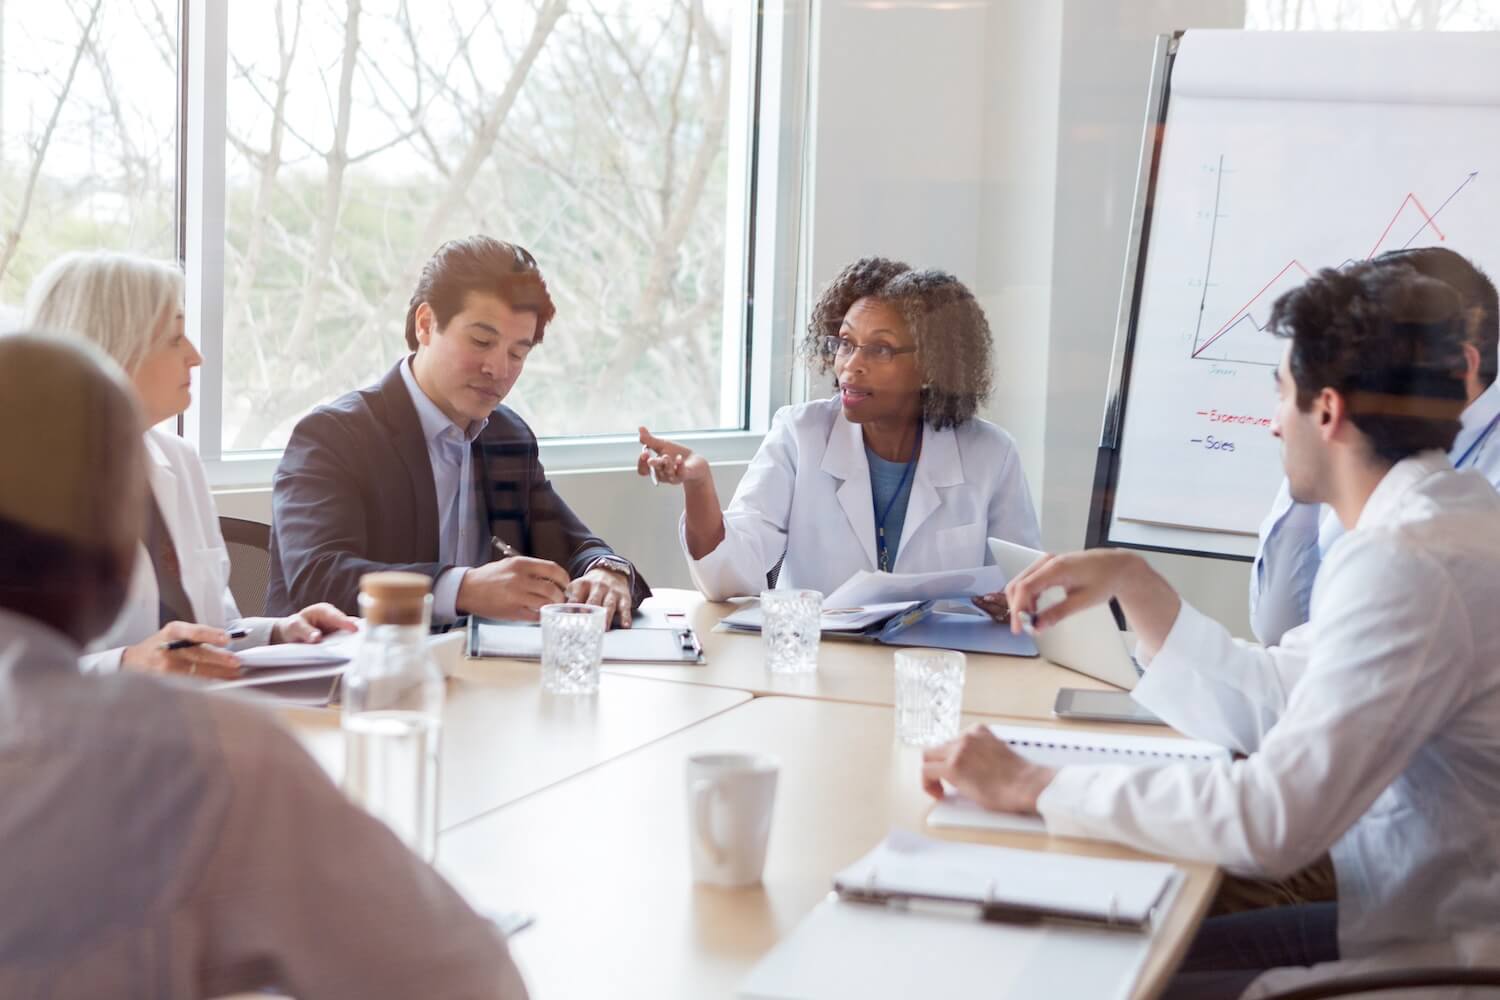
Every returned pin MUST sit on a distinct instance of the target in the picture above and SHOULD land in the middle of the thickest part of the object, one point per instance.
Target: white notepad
(850, 949)
(1060, 747)
(514, 641)
(291, 654)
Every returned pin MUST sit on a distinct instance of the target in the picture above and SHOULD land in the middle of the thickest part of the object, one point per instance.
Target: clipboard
(489, 639)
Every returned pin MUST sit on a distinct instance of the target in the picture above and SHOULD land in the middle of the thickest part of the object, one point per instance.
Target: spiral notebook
(1059, 747)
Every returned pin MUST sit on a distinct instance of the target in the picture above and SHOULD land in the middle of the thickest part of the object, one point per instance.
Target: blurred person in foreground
(161, 841)
(179, 592)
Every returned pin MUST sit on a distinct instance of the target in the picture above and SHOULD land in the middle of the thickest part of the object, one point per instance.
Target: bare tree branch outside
(363, 133)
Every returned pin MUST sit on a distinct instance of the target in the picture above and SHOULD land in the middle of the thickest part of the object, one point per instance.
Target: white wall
(897, 147)
(1106, 60)
(1013, 279)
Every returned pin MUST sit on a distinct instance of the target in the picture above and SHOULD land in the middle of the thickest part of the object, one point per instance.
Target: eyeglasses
(879, 354)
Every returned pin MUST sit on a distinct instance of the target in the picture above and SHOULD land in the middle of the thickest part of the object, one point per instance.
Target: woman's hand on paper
(208, 658)
(981, 767)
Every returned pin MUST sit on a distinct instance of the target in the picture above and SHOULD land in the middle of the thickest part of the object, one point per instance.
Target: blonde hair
(118, 301)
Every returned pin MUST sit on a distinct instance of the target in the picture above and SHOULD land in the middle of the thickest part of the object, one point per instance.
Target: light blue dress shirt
(463, 534)
(1295, 537)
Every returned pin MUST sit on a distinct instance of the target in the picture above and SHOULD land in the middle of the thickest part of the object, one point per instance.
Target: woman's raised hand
(671, 463)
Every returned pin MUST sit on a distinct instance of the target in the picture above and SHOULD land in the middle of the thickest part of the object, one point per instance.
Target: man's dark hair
(485, 265)
(952, 335)
(1475, 290)
(1390, 342)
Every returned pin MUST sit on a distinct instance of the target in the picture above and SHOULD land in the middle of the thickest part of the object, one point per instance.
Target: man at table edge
(1371, 730)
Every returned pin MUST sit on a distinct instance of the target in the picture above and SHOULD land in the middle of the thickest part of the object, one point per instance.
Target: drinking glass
(572, 646)
(791, 628)
(929, 695)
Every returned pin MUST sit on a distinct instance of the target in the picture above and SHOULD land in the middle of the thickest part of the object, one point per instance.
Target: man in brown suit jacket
(427, 471)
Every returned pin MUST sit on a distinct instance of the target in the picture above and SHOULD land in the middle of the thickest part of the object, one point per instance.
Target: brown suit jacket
(354, 494)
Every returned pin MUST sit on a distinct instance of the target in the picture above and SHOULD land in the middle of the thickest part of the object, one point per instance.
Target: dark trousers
(1230, 951)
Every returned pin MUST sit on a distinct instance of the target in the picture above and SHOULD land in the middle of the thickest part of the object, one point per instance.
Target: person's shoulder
(815, 414)
(979, 437)
(177, 449)
(507, 423)
(353, 412)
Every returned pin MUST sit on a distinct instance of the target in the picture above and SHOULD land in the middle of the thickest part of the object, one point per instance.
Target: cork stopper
(394, 598)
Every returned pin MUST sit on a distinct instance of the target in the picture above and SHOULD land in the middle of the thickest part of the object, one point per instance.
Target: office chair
(1393, 979)
(249, 544)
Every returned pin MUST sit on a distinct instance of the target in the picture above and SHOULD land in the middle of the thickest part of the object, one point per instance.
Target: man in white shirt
(160, 841)
(1295, 537)
(1373, 731)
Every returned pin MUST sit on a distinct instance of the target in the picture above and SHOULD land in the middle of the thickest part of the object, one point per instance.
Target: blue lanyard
(884, 552)
(1469, 451)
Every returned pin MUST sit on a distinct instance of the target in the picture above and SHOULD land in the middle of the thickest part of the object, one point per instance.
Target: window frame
(768, 175)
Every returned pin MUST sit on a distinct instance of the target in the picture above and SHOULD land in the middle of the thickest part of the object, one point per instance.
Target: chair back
(249, 544)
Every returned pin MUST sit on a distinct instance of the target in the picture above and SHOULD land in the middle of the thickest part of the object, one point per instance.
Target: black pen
(238, 633)
(506, 551)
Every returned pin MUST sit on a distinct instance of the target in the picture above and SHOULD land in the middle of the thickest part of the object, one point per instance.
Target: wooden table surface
(602, 858)
(505, 738)
(853, 671)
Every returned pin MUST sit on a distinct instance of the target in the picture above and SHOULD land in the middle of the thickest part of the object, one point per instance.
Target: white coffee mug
(729, 799)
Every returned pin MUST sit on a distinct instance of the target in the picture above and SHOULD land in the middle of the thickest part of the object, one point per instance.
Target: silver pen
(506, 551)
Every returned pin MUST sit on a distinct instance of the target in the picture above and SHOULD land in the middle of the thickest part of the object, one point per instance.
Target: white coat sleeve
(1012, 516)
(1384, 676)
(755, 523)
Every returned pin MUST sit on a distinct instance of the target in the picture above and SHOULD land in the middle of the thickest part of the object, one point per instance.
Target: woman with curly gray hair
(894, 472)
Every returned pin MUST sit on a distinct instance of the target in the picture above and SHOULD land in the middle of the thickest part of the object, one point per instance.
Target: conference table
(573, 808)
(850, 670)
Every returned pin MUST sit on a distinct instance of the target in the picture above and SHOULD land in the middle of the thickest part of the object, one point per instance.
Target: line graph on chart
(1239, 338)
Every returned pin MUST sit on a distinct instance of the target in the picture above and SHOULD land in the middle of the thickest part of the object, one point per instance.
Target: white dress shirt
(463, 535)
(1295, 537)
(807, 494)
(1373, 730)
(167, 843)
(181, 490)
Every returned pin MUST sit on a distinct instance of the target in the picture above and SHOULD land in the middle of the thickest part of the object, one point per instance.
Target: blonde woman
(179, 590)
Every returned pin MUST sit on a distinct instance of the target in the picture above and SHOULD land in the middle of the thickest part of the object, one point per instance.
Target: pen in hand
(175, 644)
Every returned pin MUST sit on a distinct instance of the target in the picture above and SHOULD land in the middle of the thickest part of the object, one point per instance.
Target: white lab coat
(1373, 730)
(807, 493)
(181, 490)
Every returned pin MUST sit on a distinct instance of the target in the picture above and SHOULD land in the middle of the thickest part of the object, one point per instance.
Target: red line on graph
(1242, 310)
(1410, 197)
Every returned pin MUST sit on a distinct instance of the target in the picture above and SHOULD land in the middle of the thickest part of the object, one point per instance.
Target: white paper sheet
(866, 588)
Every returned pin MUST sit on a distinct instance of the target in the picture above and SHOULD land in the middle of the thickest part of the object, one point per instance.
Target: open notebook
(1058, 747)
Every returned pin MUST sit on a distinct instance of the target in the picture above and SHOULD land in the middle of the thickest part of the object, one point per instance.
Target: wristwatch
(618, 565)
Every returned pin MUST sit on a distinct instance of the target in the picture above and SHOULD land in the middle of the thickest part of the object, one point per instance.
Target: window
(88, 132)
(1360, 15)
(614, 139)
